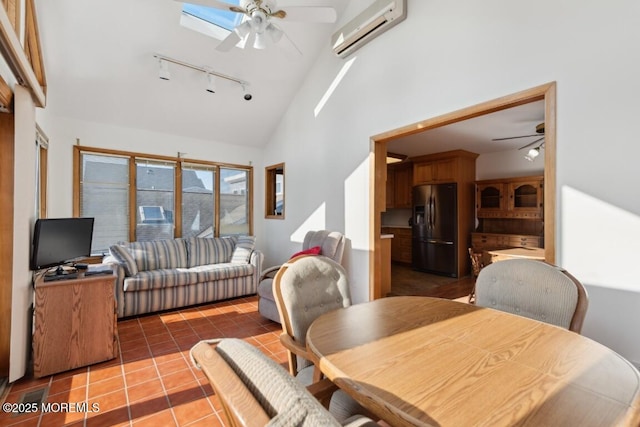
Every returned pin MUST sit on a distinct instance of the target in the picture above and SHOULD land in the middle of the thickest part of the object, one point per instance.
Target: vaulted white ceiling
(100, 67)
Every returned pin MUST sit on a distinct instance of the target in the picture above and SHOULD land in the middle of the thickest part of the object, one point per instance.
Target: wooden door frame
(377, 194)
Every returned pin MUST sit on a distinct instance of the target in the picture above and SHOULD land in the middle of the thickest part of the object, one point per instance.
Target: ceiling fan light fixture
(243, 30)
(275, 33)
(163, 71)
(259, 21)
(260, 41)
(532, 154)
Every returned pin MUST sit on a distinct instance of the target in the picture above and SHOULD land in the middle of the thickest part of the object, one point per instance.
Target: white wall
(450, 55)
(63, 134)
(23, 220)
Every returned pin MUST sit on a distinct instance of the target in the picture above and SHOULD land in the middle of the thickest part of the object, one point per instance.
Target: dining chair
(476, 266)
(306, 287)
(322, 242)
(255, 391)
(533, 289)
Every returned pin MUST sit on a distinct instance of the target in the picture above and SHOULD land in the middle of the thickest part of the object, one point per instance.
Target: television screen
(57, 241)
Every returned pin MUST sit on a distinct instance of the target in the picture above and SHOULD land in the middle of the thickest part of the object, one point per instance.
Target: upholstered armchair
(533, 289)
(326, 243)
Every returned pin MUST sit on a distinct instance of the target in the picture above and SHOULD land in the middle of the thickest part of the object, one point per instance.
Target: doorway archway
(377, 195)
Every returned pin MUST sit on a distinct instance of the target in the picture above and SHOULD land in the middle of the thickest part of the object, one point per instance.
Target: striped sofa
(165, 274)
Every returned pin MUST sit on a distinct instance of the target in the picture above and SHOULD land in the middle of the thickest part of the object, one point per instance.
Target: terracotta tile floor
(152, 382)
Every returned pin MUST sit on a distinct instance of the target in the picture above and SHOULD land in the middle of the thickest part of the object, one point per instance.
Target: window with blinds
(198, 201)
(139, 197)
(104, 195)
(234, 201)
(155, 199)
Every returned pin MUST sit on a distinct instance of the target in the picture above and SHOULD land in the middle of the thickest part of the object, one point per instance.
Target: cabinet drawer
(524, 241)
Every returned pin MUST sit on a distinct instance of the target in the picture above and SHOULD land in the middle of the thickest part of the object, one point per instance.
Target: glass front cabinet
(510, 198)
(490, 200)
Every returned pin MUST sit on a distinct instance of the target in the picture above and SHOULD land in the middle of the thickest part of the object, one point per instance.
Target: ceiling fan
(256, 29)
(539, 132)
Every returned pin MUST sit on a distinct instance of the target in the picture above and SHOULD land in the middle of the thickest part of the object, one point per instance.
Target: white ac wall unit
(373, 21)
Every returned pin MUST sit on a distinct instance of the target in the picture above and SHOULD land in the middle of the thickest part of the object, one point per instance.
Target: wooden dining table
(420, 361)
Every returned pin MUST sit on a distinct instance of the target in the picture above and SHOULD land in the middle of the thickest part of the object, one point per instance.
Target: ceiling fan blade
(531, 143)
(514, 137)
(289, 48)
(308, 14)
(229, 42)
(215, 4)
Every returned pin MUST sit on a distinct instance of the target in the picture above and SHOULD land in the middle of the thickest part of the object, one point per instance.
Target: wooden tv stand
(75, 323)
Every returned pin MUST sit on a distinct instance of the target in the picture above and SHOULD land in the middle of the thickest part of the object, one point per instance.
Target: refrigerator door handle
(431, 222)
(433, 212)
(439, 242)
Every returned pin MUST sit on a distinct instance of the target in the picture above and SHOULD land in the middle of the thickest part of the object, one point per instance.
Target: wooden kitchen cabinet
(491, 199)
(400, 244)
(434, 171)
(510, 198)
(399, 185)
(75, 323)
(487, 241)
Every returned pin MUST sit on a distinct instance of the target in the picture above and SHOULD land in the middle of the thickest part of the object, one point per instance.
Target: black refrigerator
(434, 229)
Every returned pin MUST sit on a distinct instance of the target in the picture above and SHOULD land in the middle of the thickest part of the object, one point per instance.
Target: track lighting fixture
(211, 75)
(211, 83)
(164, 73)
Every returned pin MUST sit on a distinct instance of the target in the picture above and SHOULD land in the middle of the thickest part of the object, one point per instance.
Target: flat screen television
(59, 241)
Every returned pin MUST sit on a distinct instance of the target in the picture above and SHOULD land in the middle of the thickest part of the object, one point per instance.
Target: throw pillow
(125, 258)
(311, 251)
(243, 249)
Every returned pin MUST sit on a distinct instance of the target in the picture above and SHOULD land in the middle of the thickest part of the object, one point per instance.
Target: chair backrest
(306, 287)
(476, 262)
(533, 289)
(254, 390)
(331, 242)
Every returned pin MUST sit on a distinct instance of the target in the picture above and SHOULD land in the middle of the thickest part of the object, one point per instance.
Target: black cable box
(53, 277)
(96, 272)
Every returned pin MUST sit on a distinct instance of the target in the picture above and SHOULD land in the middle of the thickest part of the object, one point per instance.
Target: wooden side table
(75, 323)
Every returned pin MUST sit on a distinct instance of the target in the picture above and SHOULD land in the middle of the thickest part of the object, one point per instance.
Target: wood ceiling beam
(17, 59)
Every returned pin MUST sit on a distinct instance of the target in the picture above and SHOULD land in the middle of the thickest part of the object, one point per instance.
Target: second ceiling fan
(539, 133)
(256, 29)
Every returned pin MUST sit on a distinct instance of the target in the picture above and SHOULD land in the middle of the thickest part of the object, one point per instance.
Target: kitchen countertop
(396, 226)
(386, 236)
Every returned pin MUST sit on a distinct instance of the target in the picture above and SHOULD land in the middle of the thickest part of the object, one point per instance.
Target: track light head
(247, 95)
(163, 72)
(211, 83)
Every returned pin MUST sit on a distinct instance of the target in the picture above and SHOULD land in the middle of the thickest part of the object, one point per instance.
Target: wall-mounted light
(211, 75)
(163, 72)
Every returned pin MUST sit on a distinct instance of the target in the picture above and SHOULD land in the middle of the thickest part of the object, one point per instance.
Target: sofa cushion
(159, 254)
(168, 278)
(124, 257)
(159, 279)
(209, 250)
(244, 247)
(208, 273)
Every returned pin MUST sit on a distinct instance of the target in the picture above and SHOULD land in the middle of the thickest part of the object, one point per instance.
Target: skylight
(210, 21)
